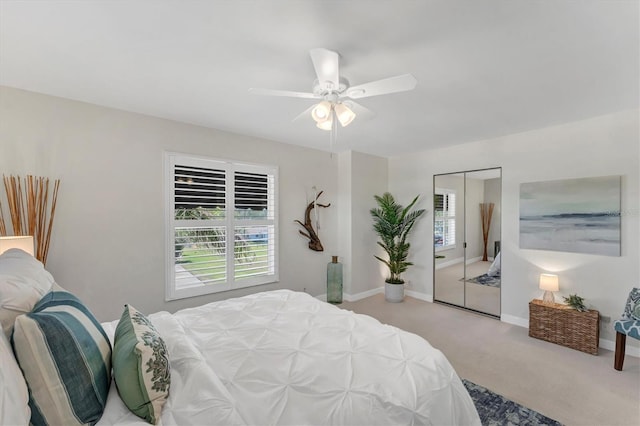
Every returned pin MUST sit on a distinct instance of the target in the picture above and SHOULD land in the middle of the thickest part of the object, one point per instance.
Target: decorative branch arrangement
(486, 211)
(3, 228)
(29, 210)
(314, 240)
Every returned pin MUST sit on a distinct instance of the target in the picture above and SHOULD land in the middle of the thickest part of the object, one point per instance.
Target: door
(467, 216)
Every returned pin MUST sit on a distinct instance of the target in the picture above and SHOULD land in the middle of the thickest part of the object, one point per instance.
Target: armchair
(628, 325)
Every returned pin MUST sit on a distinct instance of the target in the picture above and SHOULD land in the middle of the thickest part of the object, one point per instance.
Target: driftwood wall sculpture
(314, 240)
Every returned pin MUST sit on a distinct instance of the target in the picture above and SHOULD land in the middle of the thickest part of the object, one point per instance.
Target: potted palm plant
(392, 223)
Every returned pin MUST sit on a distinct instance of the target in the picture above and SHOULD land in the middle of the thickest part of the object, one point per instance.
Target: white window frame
(229, 222)
(446, 218)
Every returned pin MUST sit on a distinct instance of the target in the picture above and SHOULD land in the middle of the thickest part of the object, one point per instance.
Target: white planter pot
(393, 292)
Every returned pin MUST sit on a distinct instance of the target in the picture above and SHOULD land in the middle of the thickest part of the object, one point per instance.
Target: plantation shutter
(254, 232)
(199, 213)
(222, 232)
(445, 218)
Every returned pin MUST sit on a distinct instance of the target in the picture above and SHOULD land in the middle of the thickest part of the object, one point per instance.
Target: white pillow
(23, 282)
(14, 396)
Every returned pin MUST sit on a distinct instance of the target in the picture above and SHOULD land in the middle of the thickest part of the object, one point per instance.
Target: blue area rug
(496, 410)
(485, 279)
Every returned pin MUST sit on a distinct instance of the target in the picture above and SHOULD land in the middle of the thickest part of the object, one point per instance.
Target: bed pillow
(632, 307)
(141, 367)
(65, 356)
(14, 396)
(23, 282)
(494, 269)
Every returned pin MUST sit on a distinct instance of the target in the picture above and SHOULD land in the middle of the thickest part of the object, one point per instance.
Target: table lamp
(548, 283)
(23, 242)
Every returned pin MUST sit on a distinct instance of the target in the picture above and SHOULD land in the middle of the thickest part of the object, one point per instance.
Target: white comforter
(283, 357)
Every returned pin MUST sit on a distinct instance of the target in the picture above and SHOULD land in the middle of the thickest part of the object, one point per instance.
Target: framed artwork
(571, 215)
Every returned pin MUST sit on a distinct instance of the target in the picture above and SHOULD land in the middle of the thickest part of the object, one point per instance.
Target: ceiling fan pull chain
(334, 129)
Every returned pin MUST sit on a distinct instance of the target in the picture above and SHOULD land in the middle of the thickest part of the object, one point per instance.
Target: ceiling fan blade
(288, 93)
(360, 111)
(305, 113)
(399, 83)
(326, 63)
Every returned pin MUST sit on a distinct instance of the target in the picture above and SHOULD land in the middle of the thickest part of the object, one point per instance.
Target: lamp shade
(321, 112)
(21, 242)
(549, 282)
(325, 124)
(344, 114)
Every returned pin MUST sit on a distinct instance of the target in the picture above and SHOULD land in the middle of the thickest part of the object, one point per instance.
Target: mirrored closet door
(466, 229)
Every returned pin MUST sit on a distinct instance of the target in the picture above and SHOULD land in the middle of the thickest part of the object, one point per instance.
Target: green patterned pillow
(635, 311)
(140, 365)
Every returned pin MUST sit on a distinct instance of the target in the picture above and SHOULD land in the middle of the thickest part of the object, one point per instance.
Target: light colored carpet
(569, 386)
(450, 289)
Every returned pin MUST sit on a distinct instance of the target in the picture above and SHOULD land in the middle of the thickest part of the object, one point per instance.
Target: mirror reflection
(467, 261)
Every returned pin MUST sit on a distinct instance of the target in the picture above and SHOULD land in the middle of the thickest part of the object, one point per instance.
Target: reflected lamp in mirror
(23, 242)
(548, 283)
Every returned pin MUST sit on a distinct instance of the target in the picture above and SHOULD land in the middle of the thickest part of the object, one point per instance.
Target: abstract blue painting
(572, 215)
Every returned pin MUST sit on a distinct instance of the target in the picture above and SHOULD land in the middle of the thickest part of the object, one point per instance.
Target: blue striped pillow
(65, 356)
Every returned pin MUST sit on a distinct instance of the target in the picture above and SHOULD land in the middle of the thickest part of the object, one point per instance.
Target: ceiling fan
(336, 94)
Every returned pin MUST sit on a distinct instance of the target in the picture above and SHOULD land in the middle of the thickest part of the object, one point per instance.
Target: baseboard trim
(448, 263)
(473, 260)
(603, 343)
(418, 295)
(362, 295)
(353, 297)
(455, 261)
(611, 345)
(511, 319)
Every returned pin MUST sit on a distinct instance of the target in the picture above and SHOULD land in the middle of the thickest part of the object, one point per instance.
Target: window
(222, 226)
(444, 229)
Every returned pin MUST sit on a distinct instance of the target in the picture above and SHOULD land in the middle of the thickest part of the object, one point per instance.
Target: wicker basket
(565, 326)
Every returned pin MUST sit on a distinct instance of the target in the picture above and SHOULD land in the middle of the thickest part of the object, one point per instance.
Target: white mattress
(283, 357)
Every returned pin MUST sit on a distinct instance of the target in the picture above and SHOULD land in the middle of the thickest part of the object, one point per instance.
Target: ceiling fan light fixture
(321, 112)
(331, 90)
(344, 114)
(325, 124)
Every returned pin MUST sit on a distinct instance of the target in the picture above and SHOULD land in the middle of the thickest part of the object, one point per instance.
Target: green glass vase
(334, 281)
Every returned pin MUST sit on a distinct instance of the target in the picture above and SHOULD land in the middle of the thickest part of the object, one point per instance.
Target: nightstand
(565, 326)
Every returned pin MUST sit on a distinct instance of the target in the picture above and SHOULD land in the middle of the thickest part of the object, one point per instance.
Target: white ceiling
(484, 68)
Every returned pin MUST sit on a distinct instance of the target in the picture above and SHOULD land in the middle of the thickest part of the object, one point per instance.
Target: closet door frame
(464, 243)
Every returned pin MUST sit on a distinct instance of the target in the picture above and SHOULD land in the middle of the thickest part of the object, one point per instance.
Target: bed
(284, 357)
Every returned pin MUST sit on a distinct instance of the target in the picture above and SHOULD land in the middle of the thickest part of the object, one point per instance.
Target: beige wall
(369, 179)
(108, 238)
(492, 194)
(361, 177)
(601, 146)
